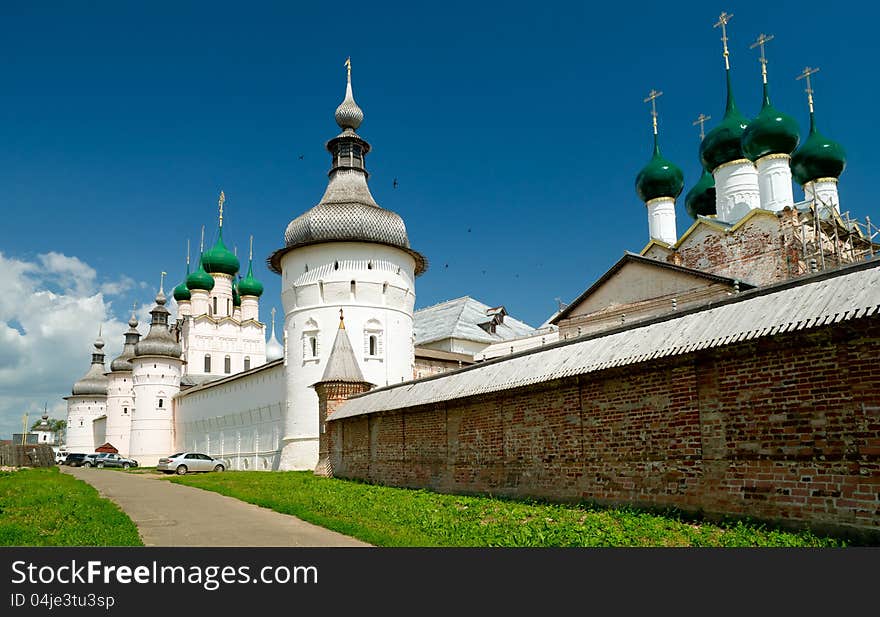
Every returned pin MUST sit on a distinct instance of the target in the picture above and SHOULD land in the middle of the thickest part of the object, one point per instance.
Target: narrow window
(369, 265)
(215, 304)
(227, 364)
(313, 343)
(227, 306)
(372, 345)
(160, 403)
(247, 362)
(336, 265)
(353, 287)
(207, 363)
(125, 410)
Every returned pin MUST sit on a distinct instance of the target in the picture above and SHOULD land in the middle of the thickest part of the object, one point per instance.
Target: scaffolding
(829, 239)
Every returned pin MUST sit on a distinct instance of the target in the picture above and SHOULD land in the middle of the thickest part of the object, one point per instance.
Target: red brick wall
(783, 429)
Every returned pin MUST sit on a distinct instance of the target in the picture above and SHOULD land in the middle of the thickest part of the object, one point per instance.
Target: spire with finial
(160, 297)
(219, 259)
(342, 365)
(700, 200)
(200, 279)
(722, 144)
(123, 361)
(274, 349)
(181, 293)
(95, 381)
(818, 157)
(660, 177)
(348, 114)
(249, 285)
(771, 132)
(159, 341)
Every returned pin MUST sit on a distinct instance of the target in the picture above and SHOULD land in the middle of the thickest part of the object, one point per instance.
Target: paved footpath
(168, 514)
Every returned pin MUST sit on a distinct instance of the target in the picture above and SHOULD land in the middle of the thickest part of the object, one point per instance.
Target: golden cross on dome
(348, 67)
(701, 120)
(220, 203)
(162, 281)
(202, 242)
(723, 20)
(251, 250)
(653, 95)
(806, 75)
(763, 39)
(187, 251)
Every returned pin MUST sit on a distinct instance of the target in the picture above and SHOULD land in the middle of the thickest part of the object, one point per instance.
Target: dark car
(108, 459)
(74, 459)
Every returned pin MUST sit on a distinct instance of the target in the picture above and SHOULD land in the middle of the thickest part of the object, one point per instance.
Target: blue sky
(515, 130)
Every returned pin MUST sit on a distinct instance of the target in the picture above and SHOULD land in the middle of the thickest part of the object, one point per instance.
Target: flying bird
(301, 156)
(394, 184)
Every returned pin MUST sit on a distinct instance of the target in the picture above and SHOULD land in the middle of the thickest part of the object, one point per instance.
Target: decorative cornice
(768, 157)
(817, 180)
(731, 163)
(658, 200)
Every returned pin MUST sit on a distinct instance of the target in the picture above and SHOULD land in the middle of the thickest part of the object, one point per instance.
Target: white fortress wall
(238, 418)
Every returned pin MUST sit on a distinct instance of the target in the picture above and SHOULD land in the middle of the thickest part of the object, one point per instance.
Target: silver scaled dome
(159, 341)
(94, 383)
(347, 212)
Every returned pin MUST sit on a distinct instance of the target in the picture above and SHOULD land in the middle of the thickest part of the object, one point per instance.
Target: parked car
(185, 462)
(108, 459)
(60, 455)
(75, 459)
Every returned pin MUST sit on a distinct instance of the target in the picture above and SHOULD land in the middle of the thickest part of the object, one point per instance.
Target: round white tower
(156, 369)
(349, 253)
(87, 402)
(120, 392)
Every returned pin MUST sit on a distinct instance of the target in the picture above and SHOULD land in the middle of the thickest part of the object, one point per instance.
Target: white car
(185, 462)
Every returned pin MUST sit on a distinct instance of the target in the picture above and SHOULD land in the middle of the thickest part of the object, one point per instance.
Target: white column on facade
(120, 406)
(81, 414)
(222, 292)
(661, 219)
(184, 308)
(250, 308)
(824, 191)
(736, 190)
(156, 382)
(774, 181)
(200, 299)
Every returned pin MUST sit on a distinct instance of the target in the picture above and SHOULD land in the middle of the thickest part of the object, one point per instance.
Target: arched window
(227, 364)
(247, 363)
(215, 304)
(208, 363)
(311, 345)
(353, 290)
(228, 312)
(160, 403)
(373, 346)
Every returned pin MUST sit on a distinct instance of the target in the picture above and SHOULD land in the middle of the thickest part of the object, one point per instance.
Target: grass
(386, 516)
(44, 507)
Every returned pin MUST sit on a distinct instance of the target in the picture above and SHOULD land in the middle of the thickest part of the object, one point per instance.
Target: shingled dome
(347, 212)
(94, 382)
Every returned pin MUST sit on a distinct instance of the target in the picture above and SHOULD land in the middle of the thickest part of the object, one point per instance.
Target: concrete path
(168, 514)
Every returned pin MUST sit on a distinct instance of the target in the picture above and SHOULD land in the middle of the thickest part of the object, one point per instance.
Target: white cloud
(50, 313)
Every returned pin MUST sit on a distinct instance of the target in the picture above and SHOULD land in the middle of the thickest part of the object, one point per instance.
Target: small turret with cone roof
(94, 382)
(159, 341)
(771, 132)
(132, 336)
(723, 143)
(818, 157)
(182, 293)
(700, 200)
(660, 177)
(200, 279)
(658, 184)
(249, 285)
(219, 259)
(274, 349)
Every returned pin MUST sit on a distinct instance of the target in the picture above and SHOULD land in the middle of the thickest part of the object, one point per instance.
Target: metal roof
(848, 293)
(459, 318)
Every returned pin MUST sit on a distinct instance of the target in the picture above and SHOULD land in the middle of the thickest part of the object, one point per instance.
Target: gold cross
(763, 39)
(806, 75)
(723, 20)
(653, 95)
(162, 281)
(701, 120)
(220, 203)
(202, 242)
(187, 252)
(348, 66)
(251, 251)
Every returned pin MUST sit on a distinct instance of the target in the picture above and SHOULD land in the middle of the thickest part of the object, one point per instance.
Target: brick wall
(784, 429)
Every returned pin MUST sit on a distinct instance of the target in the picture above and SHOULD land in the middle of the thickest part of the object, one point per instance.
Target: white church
(209, 382)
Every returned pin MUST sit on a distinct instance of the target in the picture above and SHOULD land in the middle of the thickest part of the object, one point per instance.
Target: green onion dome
(700, 200)
(200, 279)
(181, 293)
(236, 296)
(249, 286)
(724, 142)
(818, 157)
(659, 178)
(771, 132)
(220, 259)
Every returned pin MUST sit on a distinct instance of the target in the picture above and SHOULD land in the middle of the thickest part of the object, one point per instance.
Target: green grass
(386, 516)
(44, 507)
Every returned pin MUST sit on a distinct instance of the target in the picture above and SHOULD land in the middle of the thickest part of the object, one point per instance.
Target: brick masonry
(785, 429)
